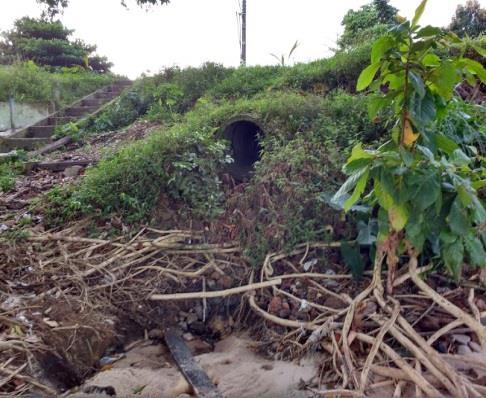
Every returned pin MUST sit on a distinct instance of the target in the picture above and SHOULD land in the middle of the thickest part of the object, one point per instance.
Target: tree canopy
(48, 43)
(54, 7)
(469, 19)
(367, 23)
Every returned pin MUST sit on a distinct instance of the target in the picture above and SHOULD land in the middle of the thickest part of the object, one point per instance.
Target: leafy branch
(423, 183)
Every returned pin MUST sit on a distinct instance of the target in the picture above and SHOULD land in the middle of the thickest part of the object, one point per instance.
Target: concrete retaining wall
(24, 114)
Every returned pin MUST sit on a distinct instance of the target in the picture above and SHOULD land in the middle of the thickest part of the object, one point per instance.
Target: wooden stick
(219, 293)
(201, 384)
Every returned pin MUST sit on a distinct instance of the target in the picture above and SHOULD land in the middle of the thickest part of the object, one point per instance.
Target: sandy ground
(238, 372)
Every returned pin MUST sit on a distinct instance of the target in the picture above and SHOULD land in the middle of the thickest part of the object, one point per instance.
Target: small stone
(285, 311)
(442, 347)
(184, 396)
(475, 346)
(463, 350)
(191, 318)
(218, 325)
(188, 336)
(156, 334)
(461, 338)
(215, 275)
(197, 327)
(275, 305)
(198, 347)
(334, 302)
(72, 171)
(198, 308)
(211, 283)
(226, 282)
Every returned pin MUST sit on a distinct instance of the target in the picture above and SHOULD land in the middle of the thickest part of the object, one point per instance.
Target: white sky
(190, 32)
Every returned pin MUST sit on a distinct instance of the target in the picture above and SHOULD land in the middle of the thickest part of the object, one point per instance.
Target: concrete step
(27, 144)
(79, 110)
(39, 134)
(60, 120)
(104, 96)
(93, 102)
(40, 131)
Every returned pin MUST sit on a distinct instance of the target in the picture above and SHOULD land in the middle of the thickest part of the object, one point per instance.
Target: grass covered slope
(167, 96)
(28, 82)
(185, 161)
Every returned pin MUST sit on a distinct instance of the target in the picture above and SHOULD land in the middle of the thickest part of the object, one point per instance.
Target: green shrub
(9, 171)
(180, 162)
(340, 71)
(246, 82)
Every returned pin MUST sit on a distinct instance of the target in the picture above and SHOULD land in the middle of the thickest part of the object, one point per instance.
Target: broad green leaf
(479, 212)
(384, 198)
(366, 233)
(359, 153)
(459, 158)
(431, 60)
(464, 195)
(417, 84)
(476, 68)
(428, 31)
(478, 184)
(445, 143)
(355, 165)
(423, 110)
(475, 251)
(415, 234)
(445, 77)
(453, 255)
(479, 50)
(349, 184)
(380, 47)
(367, 76)
(398, 216)
(352, 258)
(395, 80)
(383, 225)
(458, 219)
(375, 104)
(358, 191)
(425, 190)
(418, 13)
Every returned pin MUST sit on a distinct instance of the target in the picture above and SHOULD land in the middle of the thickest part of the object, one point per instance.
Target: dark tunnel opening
(244, 137)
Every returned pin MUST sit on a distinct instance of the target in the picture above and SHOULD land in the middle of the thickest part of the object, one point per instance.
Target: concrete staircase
(40, 133)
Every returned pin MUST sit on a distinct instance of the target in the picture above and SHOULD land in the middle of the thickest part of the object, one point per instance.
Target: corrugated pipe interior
(244, 135)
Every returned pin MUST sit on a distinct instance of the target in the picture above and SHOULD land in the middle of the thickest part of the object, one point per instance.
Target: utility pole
(243, 34)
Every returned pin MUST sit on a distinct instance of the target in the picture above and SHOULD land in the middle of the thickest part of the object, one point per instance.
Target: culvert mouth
(244, 136)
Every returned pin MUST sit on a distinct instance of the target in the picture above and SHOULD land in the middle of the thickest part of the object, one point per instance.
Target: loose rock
(461, 338)
(72, 171)
(463, 350)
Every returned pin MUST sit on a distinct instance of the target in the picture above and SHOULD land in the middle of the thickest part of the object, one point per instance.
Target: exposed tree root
(425, 367)
(371, 339)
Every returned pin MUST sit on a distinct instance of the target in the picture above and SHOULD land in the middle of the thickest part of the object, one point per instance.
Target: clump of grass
(10, 169)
